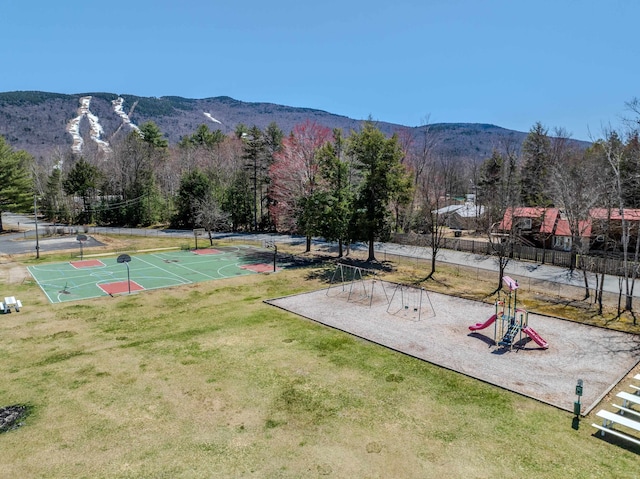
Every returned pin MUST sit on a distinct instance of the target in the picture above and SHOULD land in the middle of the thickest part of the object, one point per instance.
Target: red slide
(486, 324)
(536, 337)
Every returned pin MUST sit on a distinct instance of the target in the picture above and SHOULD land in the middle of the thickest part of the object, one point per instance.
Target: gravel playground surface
(436, 329)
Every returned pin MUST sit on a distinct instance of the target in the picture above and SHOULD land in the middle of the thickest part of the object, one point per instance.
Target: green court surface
(91, 278)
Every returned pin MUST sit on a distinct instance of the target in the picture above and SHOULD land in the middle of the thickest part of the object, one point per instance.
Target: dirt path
(12, 272)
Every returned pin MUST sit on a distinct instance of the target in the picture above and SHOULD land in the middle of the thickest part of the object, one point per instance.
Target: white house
(461, 216)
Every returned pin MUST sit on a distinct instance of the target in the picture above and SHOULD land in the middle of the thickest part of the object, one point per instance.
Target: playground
(102, 276)
(493, 343)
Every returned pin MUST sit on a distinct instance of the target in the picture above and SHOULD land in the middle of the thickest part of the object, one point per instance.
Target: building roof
(631, 214)
(552, 221)
(467, 210)
(548, 216)
(563, 229)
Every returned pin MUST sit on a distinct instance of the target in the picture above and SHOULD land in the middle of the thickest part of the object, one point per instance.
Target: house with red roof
(534, 226)
(550, 228)
(562, 237)
(606, 227)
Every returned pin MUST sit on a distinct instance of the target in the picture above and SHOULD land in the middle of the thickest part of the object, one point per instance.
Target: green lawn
(205, 380)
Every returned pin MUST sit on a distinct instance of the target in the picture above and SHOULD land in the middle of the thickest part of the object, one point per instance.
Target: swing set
(407, 301)
(351, 280)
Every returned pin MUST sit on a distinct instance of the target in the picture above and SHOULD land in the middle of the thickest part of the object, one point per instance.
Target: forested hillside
(41, 123)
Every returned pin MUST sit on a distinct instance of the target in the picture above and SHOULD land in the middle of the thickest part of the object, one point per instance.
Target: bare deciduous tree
(572, 190)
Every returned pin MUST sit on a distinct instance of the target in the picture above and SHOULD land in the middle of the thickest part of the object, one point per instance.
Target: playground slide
(510, 282)
(486, 324)
(536, 337)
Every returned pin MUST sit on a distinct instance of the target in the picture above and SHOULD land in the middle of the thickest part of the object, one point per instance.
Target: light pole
(35, 215)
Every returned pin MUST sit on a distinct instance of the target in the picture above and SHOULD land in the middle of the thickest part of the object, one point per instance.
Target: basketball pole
(128, 277)
(272, 244)
(125, 258)
(35, 218)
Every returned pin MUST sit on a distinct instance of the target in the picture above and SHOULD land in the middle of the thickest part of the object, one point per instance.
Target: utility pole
(35, 215)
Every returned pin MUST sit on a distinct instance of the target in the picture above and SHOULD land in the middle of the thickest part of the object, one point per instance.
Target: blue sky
(566, 63)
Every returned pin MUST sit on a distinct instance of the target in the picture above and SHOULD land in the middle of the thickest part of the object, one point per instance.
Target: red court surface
(119, 287)
(207, 251)
(88, 263)
(259, 267)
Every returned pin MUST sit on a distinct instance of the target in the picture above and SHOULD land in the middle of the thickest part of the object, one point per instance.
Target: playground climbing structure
(509, 322)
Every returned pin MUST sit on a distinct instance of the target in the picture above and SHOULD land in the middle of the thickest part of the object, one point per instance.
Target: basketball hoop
(270, 244)
(80, 239)
(198, 232)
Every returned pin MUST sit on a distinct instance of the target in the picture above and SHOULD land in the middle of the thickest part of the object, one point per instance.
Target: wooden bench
(609, 419)
(628, 399)
(637, 388)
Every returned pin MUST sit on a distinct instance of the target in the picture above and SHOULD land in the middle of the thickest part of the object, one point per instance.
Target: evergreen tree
(255, 162)
(273, 137)
(630, 171)
(241, 130)
(329, 208)
(195, 188)
(379, 160)
(53, 201)
(83, 180)
(204, 137)
(237, 201)
(536, 152)
(151, 135)
(489, 184)
(16, 182)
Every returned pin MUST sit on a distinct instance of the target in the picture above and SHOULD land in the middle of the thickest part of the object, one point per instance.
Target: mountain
(42, 123)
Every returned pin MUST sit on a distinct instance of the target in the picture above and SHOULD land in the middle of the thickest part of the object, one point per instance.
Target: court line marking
(192, 270)
(186, 281)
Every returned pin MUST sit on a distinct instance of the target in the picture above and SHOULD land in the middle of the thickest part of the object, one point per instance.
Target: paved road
(25, 242)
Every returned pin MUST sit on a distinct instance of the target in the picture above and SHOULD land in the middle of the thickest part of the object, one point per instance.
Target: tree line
(316, 181)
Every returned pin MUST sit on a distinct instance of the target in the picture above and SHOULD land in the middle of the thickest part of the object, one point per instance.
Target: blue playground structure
(509, 321)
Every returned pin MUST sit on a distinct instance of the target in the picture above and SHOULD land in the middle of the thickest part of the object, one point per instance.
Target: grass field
(205, 380)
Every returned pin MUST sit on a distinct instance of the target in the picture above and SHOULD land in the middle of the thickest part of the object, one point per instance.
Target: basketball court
(91, 278)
